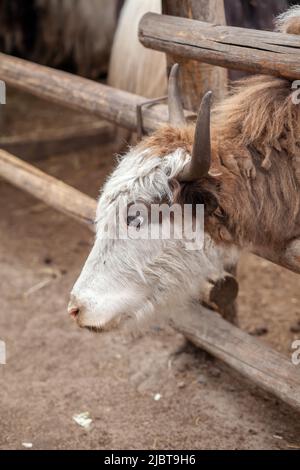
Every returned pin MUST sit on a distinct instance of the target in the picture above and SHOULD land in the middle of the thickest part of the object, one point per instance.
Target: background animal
(143, 70)
(71, 34)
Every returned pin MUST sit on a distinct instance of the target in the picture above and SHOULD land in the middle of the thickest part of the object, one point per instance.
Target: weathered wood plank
(237, 48)
(253, 359)
(80, 93)
(197, 78)
(53, 192)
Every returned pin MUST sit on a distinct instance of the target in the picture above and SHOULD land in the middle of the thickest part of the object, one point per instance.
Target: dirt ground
(55, 371)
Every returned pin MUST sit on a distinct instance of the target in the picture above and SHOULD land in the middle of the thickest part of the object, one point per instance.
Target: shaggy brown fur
(257, 137)
(167, 139)
(260, 211)
(256, 152)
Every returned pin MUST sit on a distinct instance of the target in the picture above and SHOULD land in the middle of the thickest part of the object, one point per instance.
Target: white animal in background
(132, 67)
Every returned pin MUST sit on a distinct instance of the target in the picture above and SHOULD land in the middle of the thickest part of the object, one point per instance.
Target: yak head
(155, 247)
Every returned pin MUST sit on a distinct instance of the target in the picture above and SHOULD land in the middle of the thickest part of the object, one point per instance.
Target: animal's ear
(194, 193)
(210, 202)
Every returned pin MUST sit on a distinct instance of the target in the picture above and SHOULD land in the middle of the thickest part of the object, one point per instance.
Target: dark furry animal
(76, 35)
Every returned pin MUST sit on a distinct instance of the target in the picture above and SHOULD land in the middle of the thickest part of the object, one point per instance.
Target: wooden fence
(236, 48)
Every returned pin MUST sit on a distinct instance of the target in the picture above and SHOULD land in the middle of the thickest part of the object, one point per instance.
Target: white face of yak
(125, 280)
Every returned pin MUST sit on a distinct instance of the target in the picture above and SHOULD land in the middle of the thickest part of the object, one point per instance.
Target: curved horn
(201, 156)
(176, 114)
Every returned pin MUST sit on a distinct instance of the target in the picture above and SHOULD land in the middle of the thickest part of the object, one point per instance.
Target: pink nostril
(74, 312)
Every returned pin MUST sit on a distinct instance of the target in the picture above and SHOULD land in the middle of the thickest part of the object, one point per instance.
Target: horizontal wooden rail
(267, 368)
(236, 48)
(205, 328)
(53, 192)
(79, 93)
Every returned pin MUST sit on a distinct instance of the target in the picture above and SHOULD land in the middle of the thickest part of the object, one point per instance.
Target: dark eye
(130, 220)
(135, 221)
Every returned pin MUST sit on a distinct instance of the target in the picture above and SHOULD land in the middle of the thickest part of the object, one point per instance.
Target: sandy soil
(55, 371)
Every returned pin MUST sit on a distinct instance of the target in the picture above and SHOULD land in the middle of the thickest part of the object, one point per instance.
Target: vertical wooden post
(197, 78)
